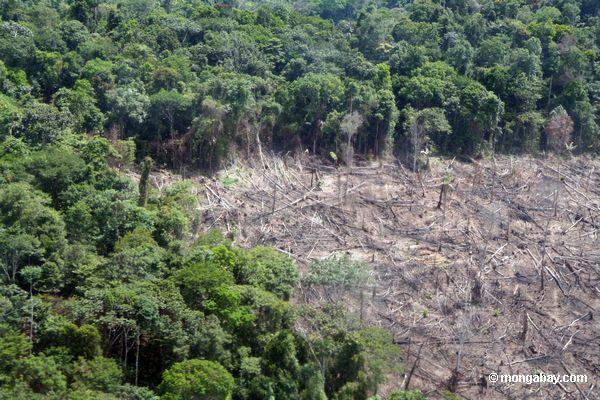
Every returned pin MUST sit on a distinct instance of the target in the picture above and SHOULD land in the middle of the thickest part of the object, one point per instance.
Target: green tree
(268, 268)
(98, 373)
(42, 374)
(199, 379)
(14, 346)
(17, 46)
(364, 362)
(42, 124)
(168, 105)
(428, 129)
(81, 341)
(128, 104)
(198, 280)
(30, 232)
(81, 103)
(310, 99)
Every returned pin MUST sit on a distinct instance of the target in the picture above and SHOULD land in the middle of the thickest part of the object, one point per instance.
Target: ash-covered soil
(481, 267)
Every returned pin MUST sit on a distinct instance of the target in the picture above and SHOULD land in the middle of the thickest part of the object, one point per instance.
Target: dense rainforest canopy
(190, 80)
(109, 291)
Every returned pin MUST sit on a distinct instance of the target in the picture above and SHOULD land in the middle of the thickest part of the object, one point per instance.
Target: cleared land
(489, 266)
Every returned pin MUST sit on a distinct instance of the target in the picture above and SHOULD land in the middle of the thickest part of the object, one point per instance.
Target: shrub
(197, 379)
(267, 268)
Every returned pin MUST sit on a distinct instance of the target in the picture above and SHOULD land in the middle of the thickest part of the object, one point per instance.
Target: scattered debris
(488, 266)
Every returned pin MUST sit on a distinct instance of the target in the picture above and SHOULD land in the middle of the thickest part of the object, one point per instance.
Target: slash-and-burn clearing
(480, 267)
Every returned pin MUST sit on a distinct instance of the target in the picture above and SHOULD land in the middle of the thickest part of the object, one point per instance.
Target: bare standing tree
(559, 129)
(349, 125)
(416, 132)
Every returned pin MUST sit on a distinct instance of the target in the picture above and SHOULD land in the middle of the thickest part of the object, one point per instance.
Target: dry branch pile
(490, 266)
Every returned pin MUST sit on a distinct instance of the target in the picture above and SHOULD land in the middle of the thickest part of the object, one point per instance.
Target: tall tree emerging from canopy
(147, 165)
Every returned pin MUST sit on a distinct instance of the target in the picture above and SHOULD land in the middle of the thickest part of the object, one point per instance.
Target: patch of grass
(229, 181)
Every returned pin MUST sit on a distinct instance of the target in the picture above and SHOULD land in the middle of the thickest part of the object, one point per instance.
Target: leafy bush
(267, 268)
(192, 378)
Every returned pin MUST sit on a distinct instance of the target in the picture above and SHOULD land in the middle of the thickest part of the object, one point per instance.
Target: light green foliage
(268, 268)
(168, 107)
(17, 44)
(55, 169)
(132, 392)
(314, 383)
(309, 100)
(193, 378)
(30, 232)
(125, 152)
(429, 128)
(101, 217)
(96, 152)
(338, 276)
(98, 72)
(82, 266)
(197, 281)
(407, 395)
(190, 83)
(16, 305)
(9, 113)
(129, 104)
(171, 223)
(248, 311)
(81, 102)
(175, 213)
(133, 289)
(462, 111)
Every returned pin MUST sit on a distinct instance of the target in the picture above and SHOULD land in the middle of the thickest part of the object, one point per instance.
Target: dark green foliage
(136, 256)
(42, 374)
(13, 347)
(81, 102)
(42, 124)
(203, 276)
(56, 169)
(192, 82)
(99, 373)
(81, 341)
(365, 359)
(17, 44)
